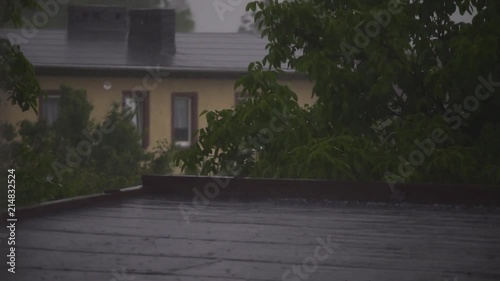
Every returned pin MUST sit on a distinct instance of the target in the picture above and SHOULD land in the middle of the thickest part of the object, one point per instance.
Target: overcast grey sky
(207, 19)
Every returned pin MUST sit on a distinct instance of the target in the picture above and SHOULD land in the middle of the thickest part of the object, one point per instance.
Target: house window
(184, 118)
(137, 104)
(49, 107)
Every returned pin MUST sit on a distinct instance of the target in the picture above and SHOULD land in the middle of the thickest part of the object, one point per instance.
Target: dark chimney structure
(147, 36)
(151, 33)
(97, 23)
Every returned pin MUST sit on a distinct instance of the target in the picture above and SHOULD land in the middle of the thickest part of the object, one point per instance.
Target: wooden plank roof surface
(146, 238)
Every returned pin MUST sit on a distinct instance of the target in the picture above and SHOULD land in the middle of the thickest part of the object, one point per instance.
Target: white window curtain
(50, 109)
(181, 108)
(137, 110)
(182, 113)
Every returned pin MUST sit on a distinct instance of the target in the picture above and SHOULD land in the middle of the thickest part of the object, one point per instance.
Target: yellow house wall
(212, 94)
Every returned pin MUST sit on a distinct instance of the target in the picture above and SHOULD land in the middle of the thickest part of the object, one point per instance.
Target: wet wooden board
(147, 238)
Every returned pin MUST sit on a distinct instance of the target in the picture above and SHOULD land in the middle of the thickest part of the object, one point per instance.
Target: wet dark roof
(147, 238)
(195, 51)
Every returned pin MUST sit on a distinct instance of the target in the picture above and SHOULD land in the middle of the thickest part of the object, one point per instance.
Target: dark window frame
(145, 110)
(194, 114)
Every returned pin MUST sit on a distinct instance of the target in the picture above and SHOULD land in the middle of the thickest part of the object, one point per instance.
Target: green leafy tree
(61, 160)
(31, 155)
(17, 77)
(372, 63)
(161, 159)
(74, 117)
(119, 156)
(8, 144)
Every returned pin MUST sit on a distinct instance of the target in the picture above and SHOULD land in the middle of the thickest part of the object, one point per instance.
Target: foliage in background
(410, 76)
(17, 77)
(116, 161)
(75, 116)
(35, 154)
(161, 159)
(120, 155)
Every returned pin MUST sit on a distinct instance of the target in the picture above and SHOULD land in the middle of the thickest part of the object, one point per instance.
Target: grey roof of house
(210, 52)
